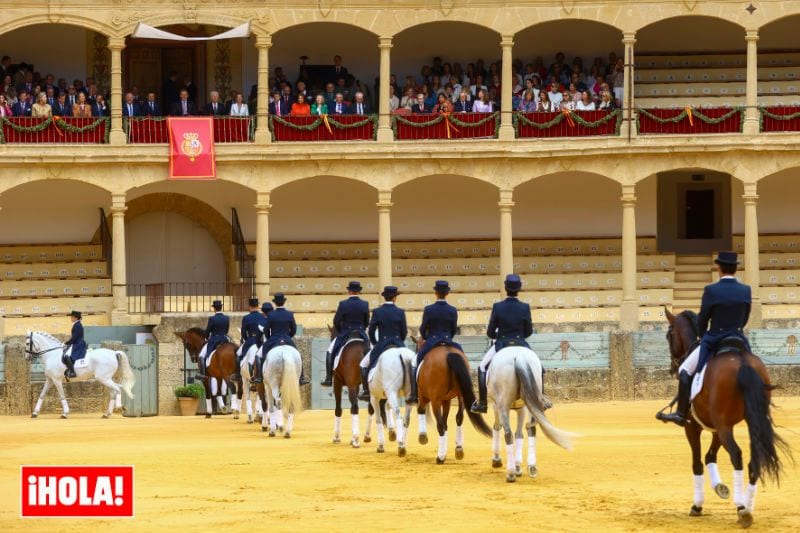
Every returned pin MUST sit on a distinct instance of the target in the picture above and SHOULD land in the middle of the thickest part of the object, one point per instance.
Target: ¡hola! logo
(77, 491)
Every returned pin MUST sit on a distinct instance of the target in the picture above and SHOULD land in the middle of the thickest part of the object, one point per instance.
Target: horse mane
(691, 316)
(48, 336)
(198, 331)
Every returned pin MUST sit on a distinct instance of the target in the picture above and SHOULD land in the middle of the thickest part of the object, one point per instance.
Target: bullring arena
(668, 134)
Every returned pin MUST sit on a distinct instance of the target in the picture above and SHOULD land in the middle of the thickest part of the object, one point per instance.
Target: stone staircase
(692, 274)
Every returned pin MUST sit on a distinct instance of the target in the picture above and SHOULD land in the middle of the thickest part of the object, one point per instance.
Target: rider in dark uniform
(216, 333)
(253, 324)
(509, 325)
(76, 342)
(726, 305)
(352, 316)
(281, 328)
(387, 329)
(439, 326)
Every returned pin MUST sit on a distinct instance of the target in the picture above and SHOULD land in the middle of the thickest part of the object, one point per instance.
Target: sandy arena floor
(627, 473)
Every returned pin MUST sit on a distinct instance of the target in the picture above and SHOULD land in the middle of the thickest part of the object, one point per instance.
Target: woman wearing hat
(280, 329)
(509, 325)
(352, 316)
(387, 329)
(75, 347)
(253, 323)
(726, 306)
(216, 333)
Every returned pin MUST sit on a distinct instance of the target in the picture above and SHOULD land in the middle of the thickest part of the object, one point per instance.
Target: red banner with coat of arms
(191, 148)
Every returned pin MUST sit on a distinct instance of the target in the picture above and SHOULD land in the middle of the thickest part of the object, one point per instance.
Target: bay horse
(442, 377)
(348, 374)
(736, 387)
(218, 372)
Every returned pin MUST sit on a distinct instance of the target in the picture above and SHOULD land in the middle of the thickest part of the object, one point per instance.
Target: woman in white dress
(482, 103)
(586, 103)
(239, 108)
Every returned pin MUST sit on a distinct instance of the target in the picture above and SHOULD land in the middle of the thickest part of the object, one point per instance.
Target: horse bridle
(34, 355)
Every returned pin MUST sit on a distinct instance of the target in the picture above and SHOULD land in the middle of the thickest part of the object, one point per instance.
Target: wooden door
(143, 69)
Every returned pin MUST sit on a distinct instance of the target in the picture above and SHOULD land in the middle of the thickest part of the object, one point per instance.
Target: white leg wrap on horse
(738, 488)
(209, 406)
(355, 425)
(459, 436)
(699, 496)
(38, 405)
(442, 452)
(213, 387)
(510, 457)
(64, 406)
(496, 442)
(423, 428)
(518, 445)
(751, 496)
(713, 474)
(220, 402)
(337, 425)
(531, 451)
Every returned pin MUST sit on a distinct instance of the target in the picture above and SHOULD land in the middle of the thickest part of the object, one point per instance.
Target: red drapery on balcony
(451, 126)
(780, 118)
(690, 120)
(68, 130)
(574, 124)
(324, 128)
(153, 130)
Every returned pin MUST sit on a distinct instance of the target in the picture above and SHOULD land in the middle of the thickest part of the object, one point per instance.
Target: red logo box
(76, 491)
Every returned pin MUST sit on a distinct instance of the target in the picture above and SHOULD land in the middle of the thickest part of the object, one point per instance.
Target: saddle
(732, 344)
(353, 336)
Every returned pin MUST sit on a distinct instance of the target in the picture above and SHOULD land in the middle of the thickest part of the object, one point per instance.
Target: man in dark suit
(338, 70)
(51, 96)
(463, 104)
(387, 329)
(23, 106)
(277, 107)
(72, 96)
(184, 107)
(352, 316)
(280, 330)
(75, 348)
(726, 306)
(439, 326)
(359, 105)
(171, 91)
(130, 108)
(215, 107)
(339, 106)
(150, 108)
(99, 107)
(329, 95)
(216, 333)
(420, 107)
(509, 325)
(60, 108)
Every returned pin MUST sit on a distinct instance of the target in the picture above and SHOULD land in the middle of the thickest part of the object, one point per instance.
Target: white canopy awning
(143, 31)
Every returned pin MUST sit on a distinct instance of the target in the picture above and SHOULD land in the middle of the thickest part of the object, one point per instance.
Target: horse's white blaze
(738, 488)
(459, 436)
(699, 495)
(518, 449)
(442, 452)
(713, 474)
(531, 451)
(422, 422)
(354, 422)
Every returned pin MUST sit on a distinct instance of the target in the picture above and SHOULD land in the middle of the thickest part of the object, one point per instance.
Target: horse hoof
(497, 463)
(236, 417)
(106, 415)
(392, 435)
(249, 420)
(336, 440)
(280, 429)
(696, 511)
(401, 452)
(367, 438)
(264, 430)
(533, 471)
(208, 415)
(119, 409)
(354, 443)
(518, 471)
(35, 415)
(439, 461)
(745, 517)
(722, 491)
(423, 438)
(380, 448)
(459, 452)
(272, 433)
(511, 477)
(65, 416)
(287, 436)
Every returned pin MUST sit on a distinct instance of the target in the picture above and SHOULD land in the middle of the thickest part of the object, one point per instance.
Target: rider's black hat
(279, 298)
(390, 291)
(266, 307)
(441, 286)
(354, 286)
(253, 302)
(76, 314)
(513, 282)
(727, 258)
(216, 304)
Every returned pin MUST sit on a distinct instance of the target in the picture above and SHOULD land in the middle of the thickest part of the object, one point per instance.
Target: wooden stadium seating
(54, 287)
(54, 306)
(75, 269)
(50, 252)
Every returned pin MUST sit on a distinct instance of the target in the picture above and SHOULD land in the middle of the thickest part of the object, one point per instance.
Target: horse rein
(34, 355)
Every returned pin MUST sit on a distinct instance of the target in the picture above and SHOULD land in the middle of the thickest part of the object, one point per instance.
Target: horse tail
(457, 365)
(531, 395)
(764, 442)
(128, 379)
(290, 385)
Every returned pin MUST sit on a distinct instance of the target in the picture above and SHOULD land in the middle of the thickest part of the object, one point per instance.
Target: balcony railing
(779, 118)
(153, 130)
(324, 128)
(568, 124)
(425, 126)
(54, 130)
(187, 297)
(690, 121)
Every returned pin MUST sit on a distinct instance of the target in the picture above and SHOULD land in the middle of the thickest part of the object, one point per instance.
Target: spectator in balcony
(130, 108)
(554, 95)
(171, 90)
(280, 77)
(286, 95)
(567, 102)
(300, 88)
(598, 85)
(545, 105)
(5, 109)
(456, 87)
(50, 95)
(591, 78)
(61, 108)
(300, 108)
(277, 107)
(606, 102)
(190, 88)
(477, 86)
(450, 93)
(360, 106)
(420, 107)
(62, 86)
(482, 103)
(136, 96)
(150, 108)
(339, 107)
(469, 75)
(82, 108)
(27, 83)
(329, 94)
(11, 97)
(319, 107)
(91, 93)
(341, 87)
(184, 107)
(528, 103)
(230, 101)
(72, 96)
(409, 98)
(50, 83)
(99, 107)
(8, 83)
(239, 107)
(338, 69)
(394, 101)
(436, 86)
(458, 72)
(443, 105)
(5, 66)
(430, 98)
(22, 108)
(586, 103)
(573, 94)
(464, 102)
(215, 107)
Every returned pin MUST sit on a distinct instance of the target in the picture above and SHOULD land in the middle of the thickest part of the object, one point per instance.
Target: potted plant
(188, 397)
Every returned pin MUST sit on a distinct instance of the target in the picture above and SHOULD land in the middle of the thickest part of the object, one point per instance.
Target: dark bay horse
(222, 367)
(736, 387)
(444, 375)
(348, 374)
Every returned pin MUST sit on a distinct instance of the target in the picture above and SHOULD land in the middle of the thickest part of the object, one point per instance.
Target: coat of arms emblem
(191, 146)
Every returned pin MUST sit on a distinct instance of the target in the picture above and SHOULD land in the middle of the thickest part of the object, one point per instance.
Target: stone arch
(68, 19)
(778, 197)
(780, 32)
(672, 33)
(600, 38)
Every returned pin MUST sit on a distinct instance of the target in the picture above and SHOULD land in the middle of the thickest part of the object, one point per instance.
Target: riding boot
(70, 371)
(328, 381)
(412, 398)
(364, 396)
(480, 404)
(201, 369)
(237, 376)
(681, 413)
(256, 379)
(303, 379)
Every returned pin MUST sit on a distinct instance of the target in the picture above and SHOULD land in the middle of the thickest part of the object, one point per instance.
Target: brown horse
(736, 387)
(222, 367)
(443, 376)
(348, 374)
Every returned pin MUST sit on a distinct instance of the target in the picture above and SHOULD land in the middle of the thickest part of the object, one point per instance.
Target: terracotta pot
(188, 406)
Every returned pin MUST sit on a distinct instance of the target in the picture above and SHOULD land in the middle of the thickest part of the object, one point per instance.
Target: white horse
(515, 377)
(100, 364)
(281, 398)
(244, 393)
(388, 381)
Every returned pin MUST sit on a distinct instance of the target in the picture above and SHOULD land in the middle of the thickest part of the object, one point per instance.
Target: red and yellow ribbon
(327, 124)
(689, 114)
(55, 125)
(568, 115)
(448, 125)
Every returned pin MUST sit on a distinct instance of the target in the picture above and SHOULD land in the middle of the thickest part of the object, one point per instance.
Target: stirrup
(327, 382)
(478, 407)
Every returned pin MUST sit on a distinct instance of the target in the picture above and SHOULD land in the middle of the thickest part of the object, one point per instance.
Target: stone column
(263, 43)
(629, 311)
(384, 238)
(751, 122)
(506, 132)
(751, 252)
(628, 108)
(119, 278)
(262, 246)
(385, 133)
(506, 235)
(117, 135)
